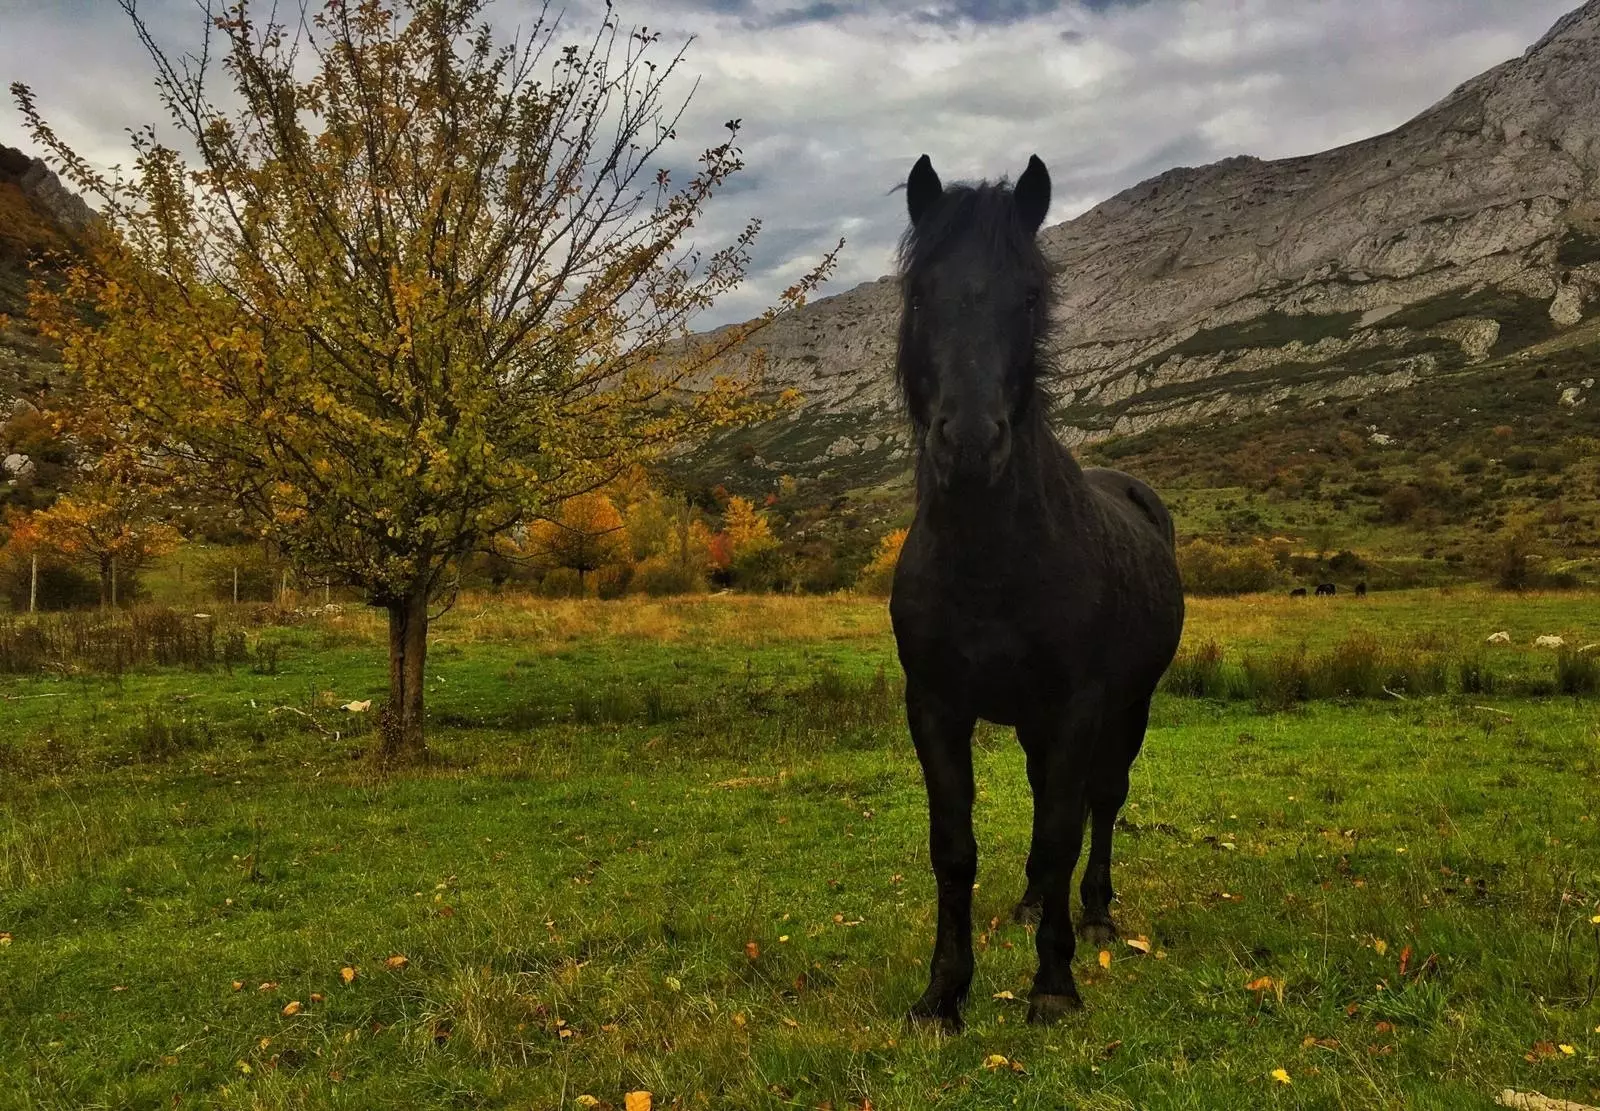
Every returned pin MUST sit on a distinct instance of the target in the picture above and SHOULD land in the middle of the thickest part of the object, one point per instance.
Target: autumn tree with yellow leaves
(585, 535)
(416, 289)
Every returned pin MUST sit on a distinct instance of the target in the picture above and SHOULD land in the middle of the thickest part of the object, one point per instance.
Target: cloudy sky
(839, 97)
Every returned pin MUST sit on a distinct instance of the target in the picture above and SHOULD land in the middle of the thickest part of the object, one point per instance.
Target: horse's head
(976, 302)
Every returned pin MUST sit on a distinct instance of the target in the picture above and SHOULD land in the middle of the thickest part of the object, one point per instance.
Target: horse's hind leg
(1107, 790)
(1027, 911)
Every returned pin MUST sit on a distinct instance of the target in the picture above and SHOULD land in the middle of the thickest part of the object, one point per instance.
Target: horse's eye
(1031, 301)
(915, 303)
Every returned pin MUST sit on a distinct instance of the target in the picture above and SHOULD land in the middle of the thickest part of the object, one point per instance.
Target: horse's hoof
(934, 1018)
(1097, 931)
(1027, 914)
(1044, 1009)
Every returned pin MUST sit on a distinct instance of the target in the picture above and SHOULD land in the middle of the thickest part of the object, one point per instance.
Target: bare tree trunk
(403, 739)
(106, 571)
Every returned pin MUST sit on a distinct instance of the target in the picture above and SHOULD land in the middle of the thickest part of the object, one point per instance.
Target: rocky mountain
(1468, 234)
(39, 218)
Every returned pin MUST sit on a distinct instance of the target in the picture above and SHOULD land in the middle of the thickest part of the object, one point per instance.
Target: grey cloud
(840, 96)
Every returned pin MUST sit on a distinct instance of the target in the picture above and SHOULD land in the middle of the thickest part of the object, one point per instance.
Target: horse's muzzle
(969, 452)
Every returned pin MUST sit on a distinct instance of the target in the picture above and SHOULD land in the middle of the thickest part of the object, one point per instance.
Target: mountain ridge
(1464, 234)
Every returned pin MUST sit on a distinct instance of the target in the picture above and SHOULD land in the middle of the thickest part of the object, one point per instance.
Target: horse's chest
(993, 664)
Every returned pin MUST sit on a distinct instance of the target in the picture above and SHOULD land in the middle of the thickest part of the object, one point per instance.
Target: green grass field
(680, 847)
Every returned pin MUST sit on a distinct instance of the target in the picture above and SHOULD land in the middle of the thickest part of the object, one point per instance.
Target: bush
(761, 568)
(561, 582)
(258, 577)
(1209, 568)
(611, 581)
(61, 585)
(1197, 673)
(1400, 503)
(877, 577)
(661, 577)
(1512, 562)
(1577, 673)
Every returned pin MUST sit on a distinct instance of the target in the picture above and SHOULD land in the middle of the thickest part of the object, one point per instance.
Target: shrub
(561, 582)
(1512, 561)
(1197, 672)
(258, 578)
(878, 576)
(61, 586)
(761, 568)
(1475, 676)
(660, 577)
(1209, 568)
(1577, 672)
(611, 581)
(1400, 503)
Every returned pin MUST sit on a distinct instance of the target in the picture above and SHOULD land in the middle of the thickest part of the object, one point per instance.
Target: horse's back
(1133, 500)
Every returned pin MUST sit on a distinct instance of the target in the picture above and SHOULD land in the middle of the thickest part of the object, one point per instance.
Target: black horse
(1029, 592)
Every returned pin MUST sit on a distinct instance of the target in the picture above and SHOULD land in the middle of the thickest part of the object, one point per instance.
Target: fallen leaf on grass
(1281, 1076)
(1260, 984)
(636, 1101)
(995, 1061)
(1003, 995)
(268, 985)
(1542, 1051)
(1381, 946)
(752, 950)
(5, 938)
(587, 1101)
(1105, 958)
(397, 962)
(1385, 1028)
(1567, 1049)
(791, 1022)
(316, 997)
(1321, 1043)
(1140, 944)
(292, 1007)
(238, 985)
(347, 974)
(1405, 959)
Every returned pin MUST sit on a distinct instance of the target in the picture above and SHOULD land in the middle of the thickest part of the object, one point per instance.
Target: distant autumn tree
(417, 290)
(587, 534)
(110, 521)
(746, 528)
(878, 575)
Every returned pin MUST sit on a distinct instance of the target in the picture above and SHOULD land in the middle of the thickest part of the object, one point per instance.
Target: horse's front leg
(942, 734)
(1059, 802)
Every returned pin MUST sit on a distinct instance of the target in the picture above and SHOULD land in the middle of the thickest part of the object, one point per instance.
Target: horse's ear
(923, 189)
(1033, 194)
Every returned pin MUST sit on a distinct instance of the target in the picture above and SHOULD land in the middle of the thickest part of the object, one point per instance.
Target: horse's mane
(986, 214)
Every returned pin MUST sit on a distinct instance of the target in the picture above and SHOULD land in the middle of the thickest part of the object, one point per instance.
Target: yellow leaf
(1140, 944)
(1281, 1076)
(316, 997)
(636, 1101)
(1381, 946)
(5, 938)
(347, 974)
(292, 1007)
(995, 1061)
(397, 962)
(587, 1101)
(1105, 958)
(1596, 920)
(1004, 995)
(238, 985)
(1567, 1049)
(1260, 983)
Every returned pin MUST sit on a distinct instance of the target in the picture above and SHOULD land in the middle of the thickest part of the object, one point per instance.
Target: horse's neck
(1042, 493)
